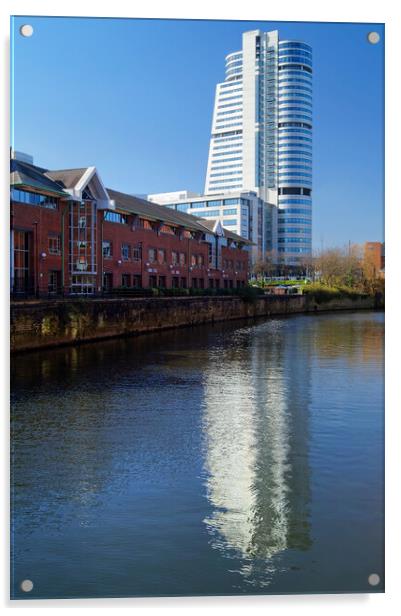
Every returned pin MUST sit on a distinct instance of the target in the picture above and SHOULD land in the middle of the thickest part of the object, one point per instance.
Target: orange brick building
(374, 258)
(72, 236)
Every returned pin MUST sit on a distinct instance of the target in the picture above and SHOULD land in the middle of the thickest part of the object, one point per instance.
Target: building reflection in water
(256, 431)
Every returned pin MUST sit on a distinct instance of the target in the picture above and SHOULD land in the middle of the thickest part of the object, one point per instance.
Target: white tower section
(243, 145)
(261, 137)
(224, 170)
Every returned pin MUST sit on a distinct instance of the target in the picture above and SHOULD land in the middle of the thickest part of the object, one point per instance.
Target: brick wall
(124, 269)
(39, 324)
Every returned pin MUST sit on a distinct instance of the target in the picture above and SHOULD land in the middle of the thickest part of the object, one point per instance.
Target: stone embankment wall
(38, 324)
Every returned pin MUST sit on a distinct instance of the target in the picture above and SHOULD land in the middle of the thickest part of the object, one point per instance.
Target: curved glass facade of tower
(261, 137)
(294, 150)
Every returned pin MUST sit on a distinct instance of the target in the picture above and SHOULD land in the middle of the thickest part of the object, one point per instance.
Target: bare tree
(339, 266)
(258, 269)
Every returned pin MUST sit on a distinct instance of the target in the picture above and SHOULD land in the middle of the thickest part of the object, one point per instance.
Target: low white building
(242, 212)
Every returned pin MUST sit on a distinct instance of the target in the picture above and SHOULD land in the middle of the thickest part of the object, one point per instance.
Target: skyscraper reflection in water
(256, 431)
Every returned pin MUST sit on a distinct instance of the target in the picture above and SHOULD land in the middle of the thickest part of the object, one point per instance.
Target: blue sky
(135, 99)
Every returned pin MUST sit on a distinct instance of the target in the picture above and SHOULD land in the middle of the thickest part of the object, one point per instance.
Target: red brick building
(71, 235)
(374, 258)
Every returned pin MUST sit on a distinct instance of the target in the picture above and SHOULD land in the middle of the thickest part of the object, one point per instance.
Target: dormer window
(87, 195)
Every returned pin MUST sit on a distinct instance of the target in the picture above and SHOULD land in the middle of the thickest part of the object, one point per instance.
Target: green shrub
(247, 293)
(324, 293)
(174, 292)
(130, 292)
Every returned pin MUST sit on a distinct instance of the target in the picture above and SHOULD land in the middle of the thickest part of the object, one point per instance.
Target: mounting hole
(374, 579)
(26, 30)
(373, 37)
(27, 585)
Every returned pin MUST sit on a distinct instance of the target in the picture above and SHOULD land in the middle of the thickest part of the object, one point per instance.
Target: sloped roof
(57, 181)
(68, 178)
(153, 211)
(30, 176)
(227, 233)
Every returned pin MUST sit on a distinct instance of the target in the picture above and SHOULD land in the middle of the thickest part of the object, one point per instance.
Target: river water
(223, 459)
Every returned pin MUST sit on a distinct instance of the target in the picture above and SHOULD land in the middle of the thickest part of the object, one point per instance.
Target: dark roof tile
(68, 178)
(30, 176)
(153, 211)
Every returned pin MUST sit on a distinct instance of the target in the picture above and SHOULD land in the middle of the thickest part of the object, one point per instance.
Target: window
(296, 221)
(290, 250)
(297, 201)
(174, 257)
(125, 280)
(153, 281)
(218, 175)
(210, 214)
(162, 282)
(137, 252)
(175, 282)
(152, 255)
(295, 159)
(115, 217)
(54, 281)
(82, 285)
(228, 125)
(213, 203)
(138, 223)
(107, 249)
(183, 283)
(293, 240)
(23, 196)
(299, 67)
(294, 230)
(201, 260)
(193, 260)
(231, 158)
(136, 281)
(55, 244)
(210, 253)
(295, 138)
(167, 230)
(161, 255)
(125, 252)
(107, 281)
(22, 260)
(294, 191)
(182, 258)
(234, 107)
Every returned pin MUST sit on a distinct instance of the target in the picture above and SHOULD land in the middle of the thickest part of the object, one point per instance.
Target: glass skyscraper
(262, 135)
